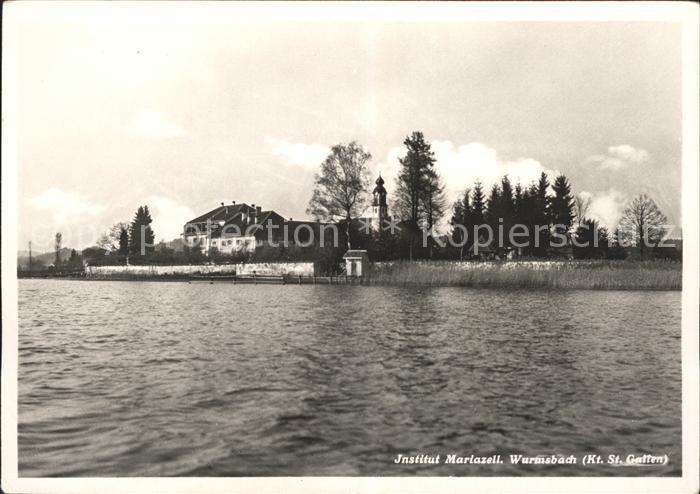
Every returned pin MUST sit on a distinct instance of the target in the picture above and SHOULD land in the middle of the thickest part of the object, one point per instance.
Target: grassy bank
(593, 275)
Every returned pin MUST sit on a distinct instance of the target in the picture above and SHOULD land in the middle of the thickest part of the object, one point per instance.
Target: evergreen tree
(591, 240)
(542, 187)
(507, 208)
(540, 215)
(123, 242)
(616, 249)
(135, 233)
(412, 184)
(562, 205)
(493, 211)
(520, 212)
(433, 198)
(141, 236)
(478, 206)
(518, 203)
(461, 218)
(528, 214)
(149, 235)
(507, 200)
(434, 203)
(493, 206)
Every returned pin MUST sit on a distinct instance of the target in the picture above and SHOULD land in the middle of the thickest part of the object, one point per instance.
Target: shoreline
(581, 274)
(575, 275)
(405, 285)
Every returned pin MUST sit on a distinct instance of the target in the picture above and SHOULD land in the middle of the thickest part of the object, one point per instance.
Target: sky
(118, 108)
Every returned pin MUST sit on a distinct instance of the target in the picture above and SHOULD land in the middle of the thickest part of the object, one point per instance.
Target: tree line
(134, 241)
(526, 220)
(341, 189)
(123, 242)
(530, 213)
(541, 214)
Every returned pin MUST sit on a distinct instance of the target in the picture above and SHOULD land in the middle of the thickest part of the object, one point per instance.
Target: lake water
(177, 379)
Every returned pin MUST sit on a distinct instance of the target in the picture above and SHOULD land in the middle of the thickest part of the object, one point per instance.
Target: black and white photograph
(350, 247)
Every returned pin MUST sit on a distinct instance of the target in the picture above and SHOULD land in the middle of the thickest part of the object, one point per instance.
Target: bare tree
(340, 187)
(109, 241)
(104, 243)
(642, 223)
(582, 204)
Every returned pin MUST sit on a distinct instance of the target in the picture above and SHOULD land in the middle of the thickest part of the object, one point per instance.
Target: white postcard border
(685, 13)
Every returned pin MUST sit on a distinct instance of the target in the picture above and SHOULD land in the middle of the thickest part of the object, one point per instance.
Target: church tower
(379, 207)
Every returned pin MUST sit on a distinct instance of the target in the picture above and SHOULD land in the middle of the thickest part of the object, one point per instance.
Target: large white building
(235, 227)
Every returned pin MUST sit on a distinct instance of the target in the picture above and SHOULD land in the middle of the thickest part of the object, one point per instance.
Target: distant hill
(45, 258)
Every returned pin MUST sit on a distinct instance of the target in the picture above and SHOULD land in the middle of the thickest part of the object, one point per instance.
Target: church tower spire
(379, 206)
(379, 193)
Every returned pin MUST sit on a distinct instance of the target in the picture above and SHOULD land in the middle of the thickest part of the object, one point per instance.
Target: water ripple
(153, 379)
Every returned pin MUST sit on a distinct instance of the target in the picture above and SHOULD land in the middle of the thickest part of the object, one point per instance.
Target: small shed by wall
(356, 262)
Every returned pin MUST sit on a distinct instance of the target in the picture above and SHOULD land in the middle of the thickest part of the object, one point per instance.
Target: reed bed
(590, 275)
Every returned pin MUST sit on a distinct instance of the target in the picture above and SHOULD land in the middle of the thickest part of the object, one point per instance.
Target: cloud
(461, 165)
(618, 157)
(298, 154)
(606, 206)
(65, 207)
(152, 124)
(168, 217)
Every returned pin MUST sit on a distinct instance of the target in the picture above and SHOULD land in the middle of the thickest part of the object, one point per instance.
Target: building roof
(352, 253)
(264, 216)
(380, 184)
(221, 213)
(239, 220)
(238, 226)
